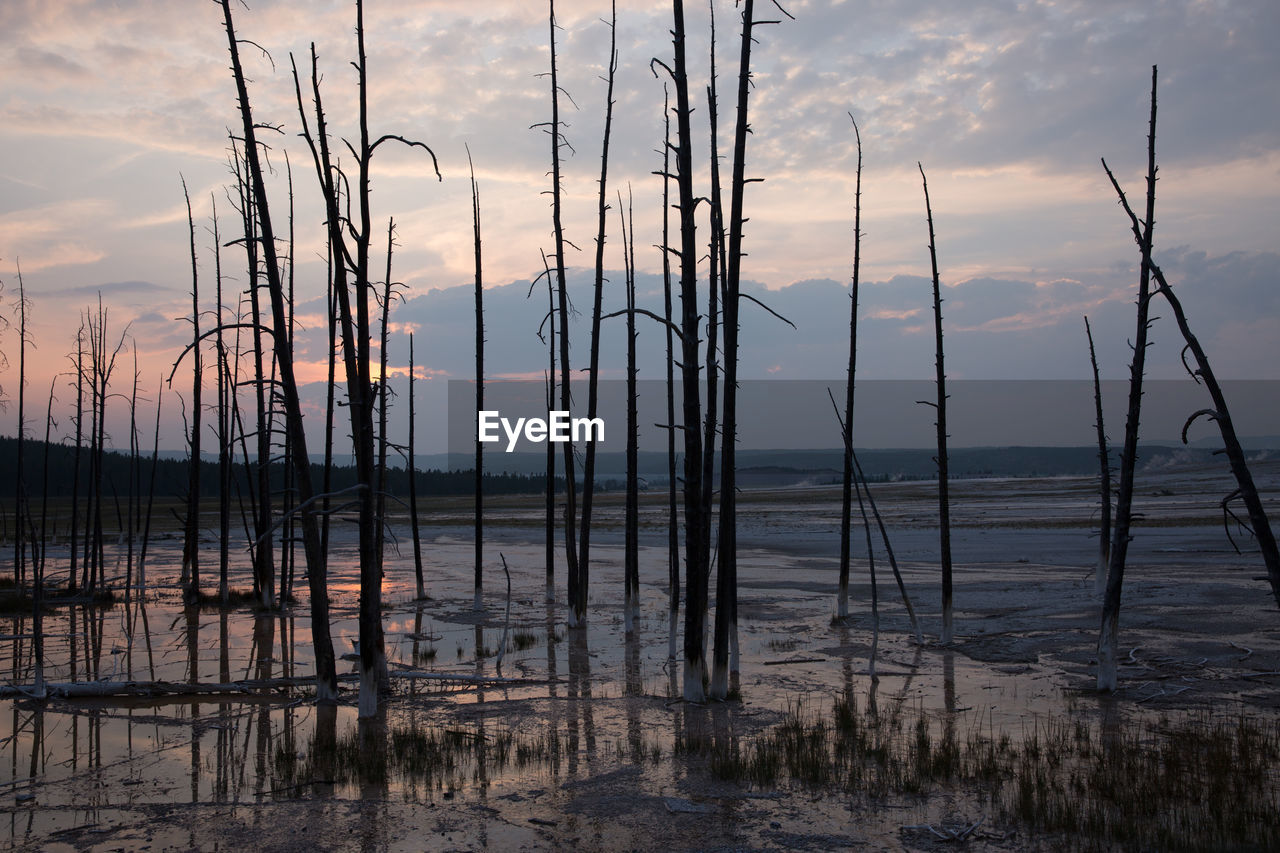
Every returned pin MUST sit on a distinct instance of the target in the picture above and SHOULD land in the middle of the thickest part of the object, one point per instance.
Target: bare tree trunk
(151, 496)
(355, 343)
(716, 279)
(695, 511)
(551, 450)
(380, 504)
(326, 673)
(44, 485)
(1107, 635)
(631, 546)
(191, 543)
(1104, 476)
(412, 471)
(133, 479)
(19, 484)
(944, 502)
(332, 320)
(75, 487)
(673, 513)
(846, 495)
(1260, 526)
(578, 581)
(593, 372)
(727, 579)
(226, 384)
(479, 490)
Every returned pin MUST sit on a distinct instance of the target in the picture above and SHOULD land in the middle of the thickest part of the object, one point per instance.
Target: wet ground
(588, 745)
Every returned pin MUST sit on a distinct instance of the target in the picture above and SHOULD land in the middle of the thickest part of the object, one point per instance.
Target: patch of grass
(522, 640)
(1203, 781)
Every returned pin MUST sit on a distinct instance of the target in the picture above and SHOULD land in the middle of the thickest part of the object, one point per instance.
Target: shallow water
(596, 711)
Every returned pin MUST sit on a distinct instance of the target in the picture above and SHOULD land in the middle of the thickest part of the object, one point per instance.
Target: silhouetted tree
(846, 495)
(1107, 635)
(1104, 475)
(940, 408)
(593, 371)
(326, 673)
(1246, 490)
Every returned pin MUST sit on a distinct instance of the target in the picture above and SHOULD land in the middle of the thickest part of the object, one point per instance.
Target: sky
(107, 107)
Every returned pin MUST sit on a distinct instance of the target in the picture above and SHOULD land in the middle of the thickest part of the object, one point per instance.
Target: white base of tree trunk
(734, 657)
(1107, 678)
(324, 694)
(630, 608)
(719, 681)
(695, 679)
(673, 628)
(948, 627)
(842, 602)
(478, 603)
(368, 703)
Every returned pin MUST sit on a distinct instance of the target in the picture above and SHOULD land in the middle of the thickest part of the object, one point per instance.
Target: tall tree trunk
(578, 581)
(326, 672)
(191, 543)
(1247, 491)
(75, 481)
(19, 482)
(1107, 635)
(151, 496)
(355, 345)
(846, 495)
(944, 501)
(1104, 475)
(551, 448)
(631, 535)
(380, 504)
(593, 371)
(226, 384)
(479, 487)
(412, 470)
(673, 512)
(695, 511)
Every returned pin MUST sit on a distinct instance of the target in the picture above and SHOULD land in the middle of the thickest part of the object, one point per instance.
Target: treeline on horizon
(172, 476)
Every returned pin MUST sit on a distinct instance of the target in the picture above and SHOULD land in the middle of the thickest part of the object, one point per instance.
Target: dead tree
(726, 629)
(1107, 635)
(940, 408)
(326, 673)
(593, 371)
(479, 488)
(76, 459)
(1104, 475)
(352, 264)
(846, 495)
(551, 449)
(191, 539)
(1246, 490)
(19, 481)
(716, 279)
(576, 579)
(412, 470)
(673, 512)
(696, 513)
(631, 547)
(383, 394)
(226, 425)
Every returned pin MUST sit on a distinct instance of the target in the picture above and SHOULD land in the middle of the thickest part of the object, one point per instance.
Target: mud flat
(579, 739)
